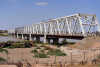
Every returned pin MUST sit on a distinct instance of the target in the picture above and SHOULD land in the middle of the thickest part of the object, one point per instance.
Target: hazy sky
(17, 13)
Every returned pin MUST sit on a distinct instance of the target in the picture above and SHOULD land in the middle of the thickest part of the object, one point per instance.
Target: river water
(8, 38)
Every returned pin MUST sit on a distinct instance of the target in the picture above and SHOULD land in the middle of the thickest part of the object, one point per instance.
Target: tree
(64, 41)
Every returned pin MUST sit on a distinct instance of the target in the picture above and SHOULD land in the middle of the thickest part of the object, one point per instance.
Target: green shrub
(34, 51)
(38, 48)
(43, 45)
(47, 48)
(10, 41)
(27, 44)
(16, 46)
(61, 54)
(41, 55)
(3, 35)
(56, 52)
(38, 42)
(3, 50)
(51, 52)
(59, 45)
(18, 42)
(22, 46)
(64, 42)
(10, 47)
(2, 59)
(71, 43)
(35, 45)
(42, 51)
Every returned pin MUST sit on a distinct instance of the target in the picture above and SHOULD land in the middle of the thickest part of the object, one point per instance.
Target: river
(8, 38)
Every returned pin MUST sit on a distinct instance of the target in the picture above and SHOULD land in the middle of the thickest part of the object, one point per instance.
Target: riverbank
(3, 34)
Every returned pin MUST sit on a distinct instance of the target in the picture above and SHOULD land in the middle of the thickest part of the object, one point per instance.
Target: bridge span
(75, 26)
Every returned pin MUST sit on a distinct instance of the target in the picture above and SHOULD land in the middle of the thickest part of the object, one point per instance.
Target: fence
(54, 60)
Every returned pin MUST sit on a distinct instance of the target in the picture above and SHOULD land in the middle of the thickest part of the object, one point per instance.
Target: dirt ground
(8, 66)
(4, 33)
(77, 53)
(16, 55)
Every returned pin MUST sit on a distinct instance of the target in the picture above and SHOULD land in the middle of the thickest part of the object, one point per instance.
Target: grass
(42, 51)
(41, 55)
(3, 50)
(34, 51)
(47, 48)
(2, 59)
(35, 45)
(26, 45)
(56, 52)
(38, 48)
(10, 41)
(3, 35)
(10, 47)
(43, 45)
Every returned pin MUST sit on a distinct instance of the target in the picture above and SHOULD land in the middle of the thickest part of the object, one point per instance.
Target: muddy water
(7, 38)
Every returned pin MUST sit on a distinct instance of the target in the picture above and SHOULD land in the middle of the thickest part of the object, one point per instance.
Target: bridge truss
(77, 24)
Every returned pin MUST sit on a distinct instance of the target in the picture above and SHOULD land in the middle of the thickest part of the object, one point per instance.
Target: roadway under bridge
(75, 26)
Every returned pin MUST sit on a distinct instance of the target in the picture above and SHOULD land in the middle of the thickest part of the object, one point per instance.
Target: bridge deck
(58, 36)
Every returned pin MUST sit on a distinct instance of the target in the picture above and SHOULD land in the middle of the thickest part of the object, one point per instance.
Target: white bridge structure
(75, 26)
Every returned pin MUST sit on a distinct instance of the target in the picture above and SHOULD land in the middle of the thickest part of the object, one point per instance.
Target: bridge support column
(11, 35)
(37, 38)
(31, 38)
(56, 40)
(46, 40)
(17, 35)
(14, 35)
(23, 37)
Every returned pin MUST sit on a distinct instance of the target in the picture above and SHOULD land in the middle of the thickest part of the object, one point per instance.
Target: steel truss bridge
(75, 26)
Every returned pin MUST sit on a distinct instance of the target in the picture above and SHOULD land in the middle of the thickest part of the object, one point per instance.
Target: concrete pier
(56, 40)
(31, 37)
(17, 35)
(47, 40)
(37, 38)
(14, 36)
(23, 37)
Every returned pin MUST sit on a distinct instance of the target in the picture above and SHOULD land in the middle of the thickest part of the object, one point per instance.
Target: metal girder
(76, 24)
